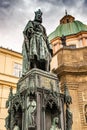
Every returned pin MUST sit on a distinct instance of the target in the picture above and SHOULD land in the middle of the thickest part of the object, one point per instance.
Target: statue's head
(55, 120)
(38, 16)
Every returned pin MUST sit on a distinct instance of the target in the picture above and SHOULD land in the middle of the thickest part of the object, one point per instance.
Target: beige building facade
(72, 69)
(10, 70)
(70, 65)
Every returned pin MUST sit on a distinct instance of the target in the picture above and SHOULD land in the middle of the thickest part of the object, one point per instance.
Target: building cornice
(70, 49)
(8, 83)
(77, 35)
(10, 52)
(76, 70)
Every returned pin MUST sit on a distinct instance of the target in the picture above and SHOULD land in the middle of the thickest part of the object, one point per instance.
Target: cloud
(69, 2)
(84, 10)
(53, 2)
(14, 15)
(85, 3)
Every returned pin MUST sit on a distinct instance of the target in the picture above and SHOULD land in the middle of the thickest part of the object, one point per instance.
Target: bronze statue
(55, 123)
(37, 51)
(38, 103)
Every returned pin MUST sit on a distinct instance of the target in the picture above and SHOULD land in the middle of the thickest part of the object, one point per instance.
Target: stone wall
(72, 69)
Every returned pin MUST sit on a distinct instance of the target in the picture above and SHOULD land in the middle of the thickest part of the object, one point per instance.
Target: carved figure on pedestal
(31, 107)
(7, 122)
(17, 116)
(69, 119)
(16, 127)
(8, 105)
(37, 50)
(69, 116)
(55, 124)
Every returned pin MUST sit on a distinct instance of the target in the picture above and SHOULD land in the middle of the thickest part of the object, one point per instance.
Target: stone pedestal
(38, 101)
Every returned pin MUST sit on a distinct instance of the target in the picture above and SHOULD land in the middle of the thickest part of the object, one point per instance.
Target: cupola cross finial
(65, 12)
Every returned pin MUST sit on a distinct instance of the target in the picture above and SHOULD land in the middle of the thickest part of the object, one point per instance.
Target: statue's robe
(36, 45)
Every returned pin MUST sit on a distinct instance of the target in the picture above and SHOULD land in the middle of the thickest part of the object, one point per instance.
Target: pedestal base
(37, 100)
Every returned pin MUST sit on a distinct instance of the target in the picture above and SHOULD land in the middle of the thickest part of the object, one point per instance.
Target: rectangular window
(72, 46)
(17, 70)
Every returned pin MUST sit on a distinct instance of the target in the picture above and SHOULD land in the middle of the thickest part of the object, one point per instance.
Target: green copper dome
(68, 29)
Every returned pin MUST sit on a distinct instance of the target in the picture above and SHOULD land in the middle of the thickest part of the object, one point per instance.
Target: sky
(14, 15)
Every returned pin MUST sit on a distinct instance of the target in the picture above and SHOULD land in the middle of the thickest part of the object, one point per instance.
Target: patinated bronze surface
(55, 124)
(37, 51)
(38, 103)
(68, 101)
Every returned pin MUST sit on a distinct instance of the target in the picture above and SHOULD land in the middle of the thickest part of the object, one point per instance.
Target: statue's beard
(38, 20)
(56, 123)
